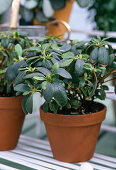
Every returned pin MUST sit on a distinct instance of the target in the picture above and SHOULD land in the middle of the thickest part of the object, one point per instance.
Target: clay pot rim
(73, 120)
(13, 97)
(11, 102)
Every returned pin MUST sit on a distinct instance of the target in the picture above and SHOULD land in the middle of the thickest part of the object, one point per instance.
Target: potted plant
(70, 77)
(42, 11)
(11, 114)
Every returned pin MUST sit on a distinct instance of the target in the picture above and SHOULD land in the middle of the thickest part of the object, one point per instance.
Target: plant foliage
(67, 75)
(11, 46)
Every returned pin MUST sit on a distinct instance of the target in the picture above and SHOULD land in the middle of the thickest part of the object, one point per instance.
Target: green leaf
(103, 56)
(24, 104)
(31, 75)
(2, 71)
(83, 3)
(47, 64)
(38, 49)
(43, 70)
(48, 92)
(68, 55)
(66, 63)
(45, 107)
(19, 79)
(10, 73)
(29, 104)
(38, 78)
(79, 66)
(104, 87)
(65, 47)
(63, 73)
(22, 87)
(5, 42)
(93, 88)
(44, 84)
(58, 4)
(41, 17)
(53, 107)
(27, 14)
(68, 106)
(55, 46)
(60, 95)
(111, 58)
(30, 4)
(100, 94)
(55, 67)
(75, 103)
(94, 55)
(19, 50)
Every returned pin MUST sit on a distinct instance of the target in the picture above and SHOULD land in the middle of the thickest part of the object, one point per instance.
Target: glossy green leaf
(111, 58)
(66, 63)
(48, 92)
(24, 104)
(22, 87)
(75, 103)
(83, 3)
(55, 67)
(58, 4)
(5, 42)
(41, 17)
(18, 49)
(38, 78)
(27, 14)
(60, 95)
(103, 56)
(94, 55)
(53, 107)
(44, 84)
(63, 73)
(29, 104)
(31, 75)
(43, 70)
(68, 55)
(45, 107)
(79, 66)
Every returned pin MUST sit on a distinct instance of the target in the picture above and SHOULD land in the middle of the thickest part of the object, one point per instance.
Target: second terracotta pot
(63, 14)
(73, 137)
(11, 121)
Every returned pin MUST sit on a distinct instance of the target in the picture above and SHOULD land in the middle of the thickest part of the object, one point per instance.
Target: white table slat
(36, 154)
(5, 167)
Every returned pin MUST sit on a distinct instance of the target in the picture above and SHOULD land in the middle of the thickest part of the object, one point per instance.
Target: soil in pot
(73, 137)
(11, 121)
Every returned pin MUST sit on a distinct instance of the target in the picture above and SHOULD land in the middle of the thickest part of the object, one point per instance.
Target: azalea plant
(11, 46)
(43, 10)
(70, 76)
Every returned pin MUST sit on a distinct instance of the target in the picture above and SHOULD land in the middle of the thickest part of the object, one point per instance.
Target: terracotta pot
(73, 137)
(11, 121)
(62, 14)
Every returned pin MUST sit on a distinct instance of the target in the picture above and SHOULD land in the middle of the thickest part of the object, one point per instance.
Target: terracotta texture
(73, 137)
(11, 121)
(62, 14)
